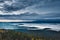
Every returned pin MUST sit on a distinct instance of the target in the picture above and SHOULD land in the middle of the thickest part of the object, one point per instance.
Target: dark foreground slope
(14, 35)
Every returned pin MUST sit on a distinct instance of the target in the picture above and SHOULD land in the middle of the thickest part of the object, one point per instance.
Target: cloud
(15, 5)
(40, 5)
(45, 8)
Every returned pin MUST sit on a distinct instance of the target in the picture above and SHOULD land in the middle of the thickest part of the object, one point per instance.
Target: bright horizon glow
(5, 20)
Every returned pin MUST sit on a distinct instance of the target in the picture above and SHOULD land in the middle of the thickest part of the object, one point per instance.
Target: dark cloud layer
(22, 4)
(45, 8)
(18, 4)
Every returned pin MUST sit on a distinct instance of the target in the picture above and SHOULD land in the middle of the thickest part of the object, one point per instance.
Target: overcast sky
(46, 8)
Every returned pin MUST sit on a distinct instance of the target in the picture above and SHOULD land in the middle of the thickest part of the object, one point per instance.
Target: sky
(30, 9)
(49, 9)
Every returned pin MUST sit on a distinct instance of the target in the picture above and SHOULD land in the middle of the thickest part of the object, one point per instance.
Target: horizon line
(7, 20)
